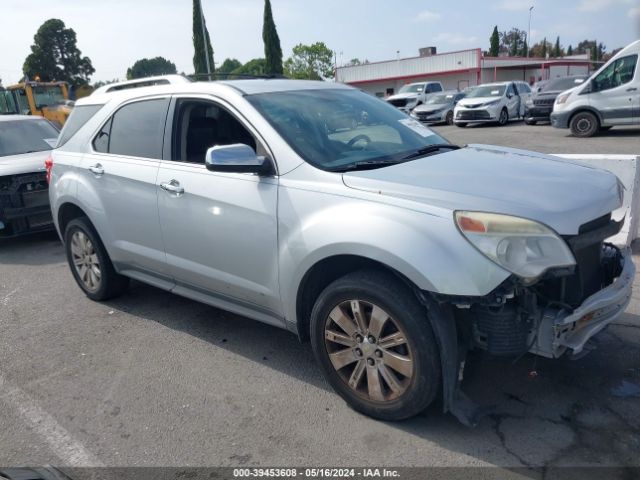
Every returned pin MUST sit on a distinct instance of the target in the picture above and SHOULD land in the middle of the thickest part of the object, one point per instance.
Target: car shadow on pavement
(42, 248)
(543, 412)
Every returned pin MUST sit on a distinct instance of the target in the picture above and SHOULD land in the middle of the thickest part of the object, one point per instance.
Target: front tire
(530, 122)
(584, 124)
(374, 343)
(449, 118)
(89, 262)
(503, 119)
(461, 124)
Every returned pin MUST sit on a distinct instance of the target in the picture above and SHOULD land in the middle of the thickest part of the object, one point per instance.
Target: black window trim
(218, 101)
(109, 117)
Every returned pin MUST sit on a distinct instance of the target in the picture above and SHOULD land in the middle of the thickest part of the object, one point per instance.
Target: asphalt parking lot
(544, 138)
(153, 379)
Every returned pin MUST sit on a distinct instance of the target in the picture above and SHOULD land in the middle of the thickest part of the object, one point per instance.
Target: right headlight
(523, 247)
(562, 98)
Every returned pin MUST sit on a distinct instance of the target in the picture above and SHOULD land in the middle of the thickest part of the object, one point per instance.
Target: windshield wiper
(430, 149)
(366, 165)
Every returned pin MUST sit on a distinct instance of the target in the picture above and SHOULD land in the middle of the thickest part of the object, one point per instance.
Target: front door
(614, 91)
(513, 102)
(219, 229)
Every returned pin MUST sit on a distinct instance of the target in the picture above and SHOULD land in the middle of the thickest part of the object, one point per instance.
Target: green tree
(524, 51)
(569, 50)
(543, 53)
(540, 49)
(512, 41)
(494, 42)
(557, 50)
(228, 66)
(256, 67)
(354, 62)
(148, 67)
(199, 42)
(272, 49)
(55, 55)
(311, 62)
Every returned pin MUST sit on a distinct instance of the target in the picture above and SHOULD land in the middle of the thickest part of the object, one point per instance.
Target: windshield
(445, 98)
(338, 129)
(48, 96)
(487, 91)
(412, 88)
(561, 84)
(26, 136)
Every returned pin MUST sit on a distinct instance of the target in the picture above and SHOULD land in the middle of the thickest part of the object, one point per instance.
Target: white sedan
(25, 144)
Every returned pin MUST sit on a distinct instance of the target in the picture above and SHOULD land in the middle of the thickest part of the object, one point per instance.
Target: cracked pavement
(155, 379)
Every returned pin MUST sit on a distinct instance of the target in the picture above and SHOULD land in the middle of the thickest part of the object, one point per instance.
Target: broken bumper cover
(560, 330)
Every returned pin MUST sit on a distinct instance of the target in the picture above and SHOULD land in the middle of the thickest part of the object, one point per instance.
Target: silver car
(393, 251)
(439, 108)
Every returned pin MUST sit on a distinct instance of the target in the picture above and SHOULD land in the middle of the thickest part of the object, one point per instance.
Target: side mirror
(237, 158)
(592, 86)
(509, 96)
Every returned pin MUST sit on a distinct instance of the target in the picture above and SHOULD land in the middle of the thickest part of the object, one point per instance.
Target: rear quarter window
(79, 116)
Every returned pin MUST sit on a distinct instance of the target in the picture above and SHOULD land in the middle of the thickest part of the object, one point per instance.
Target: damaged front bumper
(24, 204)
(561, 330)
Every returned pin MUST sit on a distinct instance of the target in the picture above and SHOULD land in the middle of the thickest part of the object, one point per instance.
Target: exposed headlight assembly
(523, 247)
(560, 99)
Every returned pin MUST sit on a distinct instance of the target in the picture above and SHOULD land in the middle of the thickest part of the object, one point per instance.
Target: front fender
(427, 249)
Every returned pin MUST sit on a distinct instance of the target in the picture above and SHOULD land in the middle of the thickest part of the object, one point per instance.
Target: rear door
(118, 180)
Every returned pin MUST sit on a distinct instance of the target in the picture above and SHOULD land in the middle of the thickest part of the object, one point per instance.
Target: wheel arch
(585, 109)
(66, 212)
(326, 271)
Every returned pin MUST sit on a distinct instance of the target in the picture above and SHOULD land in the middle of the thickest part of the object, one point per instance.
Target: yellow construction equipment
(47, 99)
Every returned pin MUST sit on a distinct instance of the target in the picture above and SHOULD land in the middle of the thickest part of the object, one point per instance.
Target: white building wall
(455, 81)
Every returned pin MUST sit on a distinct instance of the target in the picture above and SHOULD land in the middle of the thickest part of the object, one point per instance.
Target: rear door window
(135, 130)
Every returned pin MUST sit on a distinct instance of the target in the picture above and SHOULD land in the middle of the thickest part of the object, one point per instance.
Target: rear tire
(461, 124)
(90, 263)
(374, 343)
(530, 122)
(584, 124)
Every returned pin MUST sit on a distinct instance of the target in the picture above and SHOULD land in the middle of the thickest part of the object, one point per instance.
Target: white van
(492, 103)
(611, 96)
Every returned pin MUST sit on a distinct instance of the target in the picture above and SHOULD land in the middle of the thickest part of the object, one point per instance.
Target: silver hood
(559, 193)
(401, 96)
(24, 163)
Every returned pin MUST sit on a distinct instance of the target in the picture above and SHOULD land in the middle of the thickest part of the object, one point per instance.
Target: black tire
(461, 124)
(503, 119)
(109, 284)
(584, 124)
(449, 118)
(370, 287)
(530, 122)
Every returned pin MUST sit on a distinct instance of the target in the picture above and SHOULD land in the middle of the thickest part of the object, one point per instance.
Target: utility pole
(529, 34)
(204, 40)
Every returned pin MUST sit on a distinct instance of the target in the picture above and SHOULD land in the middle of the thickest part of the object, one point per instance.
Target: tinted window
(137, 129)
(616, 73)
(524, 88)
(101, 142)
(25, 136)
(435, 87)
(79, 116)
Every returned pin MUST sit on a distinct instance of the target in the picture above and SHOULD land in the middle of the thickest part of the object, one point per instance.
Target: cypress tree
(272, 49)
(557, 52)
(494, 49)
(544, 48)
(199, 57)
(569, 50)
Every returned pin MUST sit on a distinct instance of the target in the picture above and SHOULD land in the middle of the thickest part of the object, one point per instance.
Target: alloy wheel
(369, 350)
(85, 261)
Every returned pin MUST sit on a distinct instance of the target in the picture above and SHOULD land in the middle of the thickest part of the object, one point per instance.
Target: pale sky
(116, 33)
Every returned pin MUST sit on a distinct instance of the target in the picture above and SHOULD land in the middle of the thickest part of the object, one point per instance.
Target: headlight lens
(562, 98)
(523, 247)
(529, 102)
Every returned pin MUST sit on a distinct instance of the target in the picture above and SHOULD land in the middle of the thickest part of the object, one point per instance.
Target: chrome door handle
(172, 186)
(96, 169)
(632, 89)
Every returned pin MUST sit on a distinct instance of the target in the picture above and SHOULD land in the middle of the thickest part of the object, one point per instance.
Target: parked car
(492, 103)
(25, 143)
(391, 249)
(539, 105)
(439, 108)
(610, 97)
(414, 94)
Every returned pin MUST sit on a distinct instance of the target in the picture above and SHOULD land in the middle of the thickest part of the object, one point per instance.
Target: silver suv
(392, 250)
